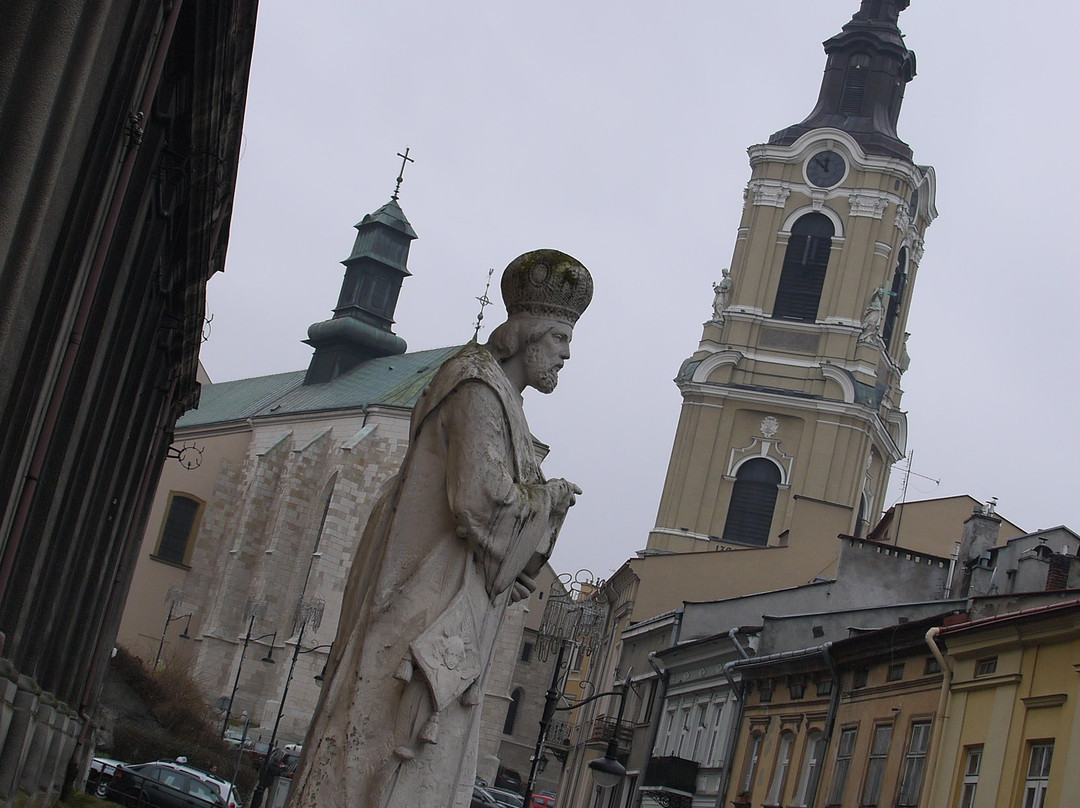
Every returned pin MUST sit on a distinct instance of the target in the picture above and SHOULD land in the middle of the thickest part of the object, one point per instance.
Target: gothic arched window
(803, 273)
(753, 500)
(511, 711)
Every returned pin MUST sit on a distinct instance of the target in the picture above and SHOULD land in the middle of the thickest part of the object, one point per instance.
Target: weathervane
(401, 174)
(485, 301)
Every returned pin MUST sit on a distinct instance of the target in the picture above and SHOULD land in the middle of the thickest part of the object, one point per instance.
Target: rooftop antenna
(904, 489)
(401, 174)
(485, 301)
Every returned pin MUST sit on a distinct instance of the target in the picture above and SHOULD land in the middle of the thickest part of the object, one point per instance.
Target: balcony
(604, 727)
(670, 781)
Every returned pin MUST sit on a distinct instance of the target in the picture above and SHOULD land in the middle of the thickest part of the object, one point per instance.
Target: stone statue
(723, 292)
(874, 313)
(454, 537)
(905, 357)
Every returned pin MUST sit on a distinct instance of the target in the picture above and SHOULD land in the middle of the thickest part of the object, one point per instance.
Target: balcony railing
(604, 727)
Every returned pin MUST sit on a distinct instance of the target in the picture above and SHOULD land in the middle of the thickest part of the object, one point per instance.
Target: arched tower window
(803, 273)
(896, 299)
(753, 500)
(511, 711)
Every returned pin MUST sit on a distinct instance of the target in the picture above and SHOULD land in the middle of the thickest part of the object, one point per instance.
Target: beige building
(254, 525)
(791, 415)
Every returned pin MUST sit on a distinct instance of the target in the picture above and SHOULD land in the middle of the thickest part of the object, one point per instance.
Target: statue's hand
(564, 494)
(522, 588)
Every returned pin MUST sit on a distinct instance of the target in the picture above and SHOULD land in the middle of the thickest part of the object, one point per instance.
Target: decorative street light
(256, 609)
(307, 614)
(573, 618)
(174, 597)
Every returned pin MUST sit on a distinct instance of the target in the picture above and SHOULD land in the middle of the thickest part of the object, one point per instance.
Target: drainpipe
(733, 733)
(939, 714)
(830, 718)
(658, 700)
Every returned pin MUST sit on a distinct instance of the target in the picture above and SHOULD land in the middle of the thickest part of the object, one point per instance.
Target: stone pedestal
(9, 686)
(19, 736)
(30, 778)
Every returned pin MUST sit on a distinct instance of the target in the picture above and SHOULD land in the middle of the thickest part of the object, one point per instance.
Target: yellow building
(1011, 733)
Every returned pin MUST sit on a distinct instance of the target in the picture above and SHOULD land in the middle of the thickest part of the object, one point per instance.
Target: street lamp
(608, 771)
(256, 612)
(573, 618)
(174, 597)
(307, 614)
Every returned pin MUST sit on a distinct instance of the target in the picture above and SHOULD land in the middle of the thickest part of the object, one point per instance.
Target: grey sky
(617, 132)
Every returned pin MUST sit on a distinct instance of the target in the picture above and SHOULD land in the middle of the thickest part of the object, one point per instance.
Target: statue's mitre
(547, 283)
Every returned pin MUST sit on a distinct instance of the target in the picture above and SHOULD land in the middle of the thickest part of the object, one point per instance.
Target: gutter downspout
(830, 718)
(658, 700)
(939, 714)
(733, 734)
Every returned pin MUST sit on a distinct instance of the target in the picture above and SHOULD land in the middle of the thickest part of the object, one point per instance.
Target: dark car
(481, 799)
(101, 772)
(162, 785)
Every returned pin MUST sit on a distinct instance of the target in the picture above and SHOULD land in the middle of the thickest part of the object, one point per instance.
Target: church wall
(146, 610)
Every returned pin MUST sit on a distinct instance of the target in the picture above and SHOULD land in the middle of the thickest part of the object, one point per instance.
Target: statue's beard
(542, 376)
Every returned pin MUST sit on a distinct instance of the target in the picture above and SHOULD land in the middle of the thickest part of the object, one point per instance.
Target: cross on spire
(485, 301)
(401, 174)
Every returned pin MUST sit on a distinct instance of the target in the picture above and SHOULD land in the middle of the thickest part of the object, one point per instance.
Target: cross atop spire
(401, 174)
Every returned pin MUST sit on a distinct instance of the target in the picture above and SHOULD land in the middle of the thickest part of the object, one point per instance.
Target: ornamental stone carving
(863, 204)
(770, 194)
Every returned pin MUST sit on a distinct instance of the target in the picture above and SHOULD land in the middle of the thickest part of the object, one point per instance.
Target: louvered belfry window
(753, 500)
(803, 273)
(896, 299)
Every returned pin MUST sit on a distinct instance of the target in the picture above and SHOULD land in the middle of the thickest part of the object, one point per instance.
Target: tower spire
(866, 72)
(362, 325)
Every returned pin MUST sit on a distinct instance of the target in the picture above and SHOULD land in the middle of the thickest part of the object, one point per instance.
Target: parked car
(481, 799)
(282, 763)
(507, 799)
(508, 779)
(545, 799)
(164, 784)
(101, 772)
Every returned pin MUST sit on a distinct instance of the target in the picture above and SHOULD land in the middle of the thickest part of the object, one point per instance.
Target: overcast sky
(617, 132)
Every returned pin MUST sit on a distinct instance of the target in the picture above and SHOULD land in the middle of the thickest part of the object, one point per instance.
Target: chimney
(980, 535)
(1057, 577)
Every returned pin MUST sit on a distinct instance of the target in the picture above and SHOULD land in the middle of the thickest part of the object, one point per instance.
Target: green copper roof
(391, 215)
(389, 381)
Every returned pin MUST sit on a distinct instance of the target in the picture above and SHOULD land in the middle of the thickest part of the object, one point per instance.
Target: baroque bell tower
(791, 414)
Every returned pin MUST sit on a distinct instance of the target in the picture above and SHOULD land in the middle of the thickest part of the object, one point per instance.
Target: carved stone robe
(398, 719)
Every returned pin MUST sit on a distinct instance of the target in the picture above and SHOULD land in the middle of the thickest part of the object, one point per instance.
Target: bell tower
(791, 413)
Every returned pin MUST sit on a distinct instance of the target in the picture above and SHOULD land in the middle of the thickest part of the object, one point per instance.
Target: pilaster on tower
(791, 413)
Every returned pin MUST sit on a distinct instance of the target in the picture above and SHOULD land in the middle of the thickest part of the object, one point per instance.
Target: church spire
(362, 325)
(866, 72)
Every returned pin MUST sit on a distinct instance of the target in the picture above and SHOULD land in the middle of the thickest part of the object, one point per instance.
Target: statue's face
(545, 357)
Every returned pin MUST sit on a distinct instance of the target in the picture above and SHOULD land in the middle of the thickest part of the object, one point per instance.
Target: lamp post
(269, 658)
(573, 618)
(307, 614)
(173, 597)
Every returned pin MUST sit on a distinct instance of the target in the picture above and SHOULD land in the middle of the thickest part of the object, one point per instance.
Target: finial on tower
(401, 174)
(485, 301)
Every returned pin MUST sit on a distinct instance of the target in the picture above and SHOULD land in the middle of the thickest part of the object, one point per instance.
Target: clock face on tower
(825, 169)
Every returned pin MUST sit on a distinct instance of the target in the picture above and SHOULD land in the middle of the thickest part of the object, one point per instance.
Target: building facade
(121, 124)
